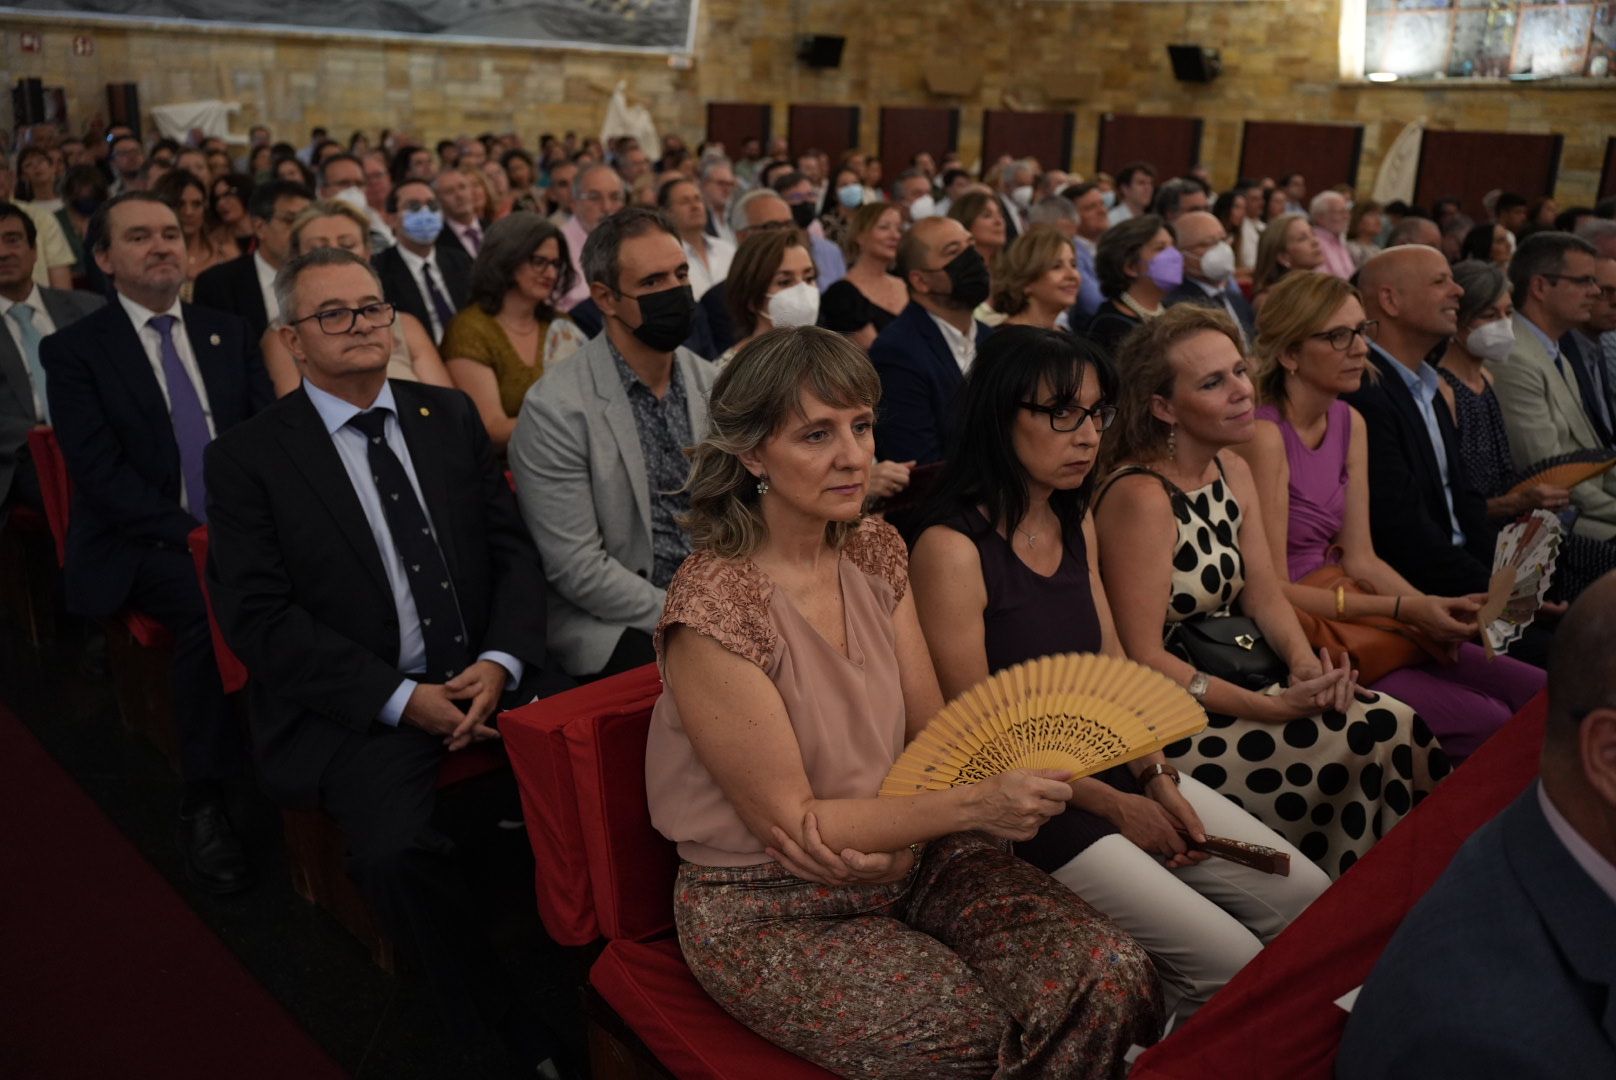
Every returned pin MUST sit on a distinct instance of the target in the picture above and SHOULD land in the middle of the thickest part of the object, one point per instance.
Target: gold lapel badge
(213, 339)
(425, 411)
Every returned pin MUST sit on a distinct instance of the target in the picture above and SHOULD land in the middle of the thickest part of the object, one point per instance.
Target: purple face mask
(1167, 269)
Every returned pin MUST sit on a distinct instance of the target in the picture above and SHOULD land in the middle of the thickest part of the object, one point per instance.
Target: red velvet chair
(604, 871)
(232, 672)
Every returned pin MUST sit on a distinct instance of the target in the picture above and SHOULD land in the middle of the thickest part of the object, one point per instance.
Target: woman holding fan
(794, 672)
(1007, 572)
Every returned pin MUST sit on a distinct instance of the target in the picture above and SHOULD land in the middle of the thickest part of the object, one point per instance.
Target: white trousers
(1201, 923)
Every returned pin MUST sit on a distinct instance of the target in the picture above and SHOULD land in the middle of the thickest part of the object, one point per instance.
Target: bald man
(1209, 270)
(922, 356)
(1426, 521)
(1507, 967)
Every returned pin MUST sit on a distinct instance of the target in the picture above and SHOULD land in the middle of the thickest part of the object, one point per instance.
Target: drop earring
(1172, 444)
(763, 485)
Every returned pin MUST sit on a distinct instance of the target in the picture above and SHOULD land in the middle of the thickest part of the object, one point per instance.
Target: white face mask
(797, 305)
(1022, 196)
(1218, 263)
(354, 197)
(923, 207)
(1492, 341)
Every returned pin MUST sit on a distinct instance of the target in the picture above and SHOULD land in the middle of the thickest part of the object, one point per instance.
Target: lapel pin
(425, 411)
(213, 339)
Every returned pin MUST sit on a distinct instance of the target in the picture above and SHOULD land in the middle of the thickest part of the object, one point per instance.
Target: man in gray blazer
(1552, 277)
(598, 450)
(30, 313)
(1506, 969)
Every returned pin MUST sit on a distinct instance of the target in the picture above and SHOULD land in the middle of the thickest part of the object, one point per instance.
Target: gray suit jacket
(1544, 415)
(65, 307)
(581, 480)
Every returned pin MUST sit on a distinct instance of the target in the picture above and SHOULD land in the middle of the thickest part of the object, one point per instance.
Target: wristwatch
(1150, 772)
(1198, 685)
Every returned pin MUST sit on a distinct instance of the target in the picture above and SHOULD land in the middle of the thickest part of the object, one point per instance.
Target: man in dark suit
(1506, 969)
(922, 356)
(245, 286)
(136, 392)
(1427, 521)
(30, 313)
(1209, 269)
(369, 566)
(420, 276)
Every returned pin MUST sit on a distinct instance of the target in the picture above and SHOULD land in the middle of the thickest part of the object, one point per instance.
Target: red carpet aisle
(104, 971)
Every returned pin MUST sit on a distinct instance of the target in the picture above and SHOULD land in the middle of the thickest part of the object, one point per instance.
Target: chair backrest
(55, 487)
(537, 745)
(232, 672)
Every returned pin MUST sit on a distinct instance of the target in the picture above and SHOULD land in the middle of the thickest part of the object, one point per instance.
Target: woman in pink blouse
(875, 937)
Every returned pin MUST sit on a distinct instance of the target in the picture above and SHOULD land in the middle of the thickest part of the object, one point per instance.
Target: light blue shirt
(829, 264)
(1422, 384)
(353, 450)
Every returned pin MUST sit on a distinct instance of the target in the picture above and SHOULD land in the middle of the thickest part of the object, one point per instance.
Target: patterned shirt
(664, 429)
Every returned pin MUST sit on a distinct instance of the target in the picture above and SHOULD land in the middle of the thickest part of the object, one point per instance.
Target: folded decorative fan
(1079, 711)
(1523, 567)
(1565, 470)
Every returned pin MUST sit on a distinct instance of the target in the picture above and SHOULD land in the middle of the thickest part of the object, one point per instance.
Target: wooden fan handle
(1268, 860)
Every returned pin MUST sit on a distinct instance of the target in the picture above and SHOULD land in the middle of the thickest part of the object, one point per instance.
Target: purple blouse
(1318, 489)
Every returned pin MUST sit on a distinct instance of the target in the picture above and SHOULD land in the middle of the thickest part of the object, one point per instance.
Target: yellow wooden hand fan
(1079, 711)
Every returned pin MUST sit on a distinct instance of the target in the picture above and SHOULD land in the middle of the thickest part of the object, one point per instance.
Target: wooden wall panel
(905, 132)
(1171, 143)
(1046, 136)
(1326, 154)
(831, 128)
(1607, 176)
(1468, 164)
(731, 122)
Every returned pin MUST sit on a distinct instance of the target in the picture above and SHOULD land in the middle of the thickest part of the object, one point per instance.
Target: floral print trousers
(976, 965)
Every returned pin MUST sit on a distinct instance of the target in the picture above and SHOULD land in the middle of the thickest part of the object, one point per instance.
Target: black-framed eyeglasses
(1340, 338)
(1068, 418)
(416, 204)
(541, 263)
(341, 320)
(1587, 281)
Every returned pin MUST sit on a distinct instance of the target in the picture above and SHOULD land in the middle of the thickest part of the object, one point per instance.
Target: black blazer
(1408, 512)
(112, 423)
(399, 286)
(233, 287)
(298, 586)
(919, 381)
(1191, 293)
(65, 307)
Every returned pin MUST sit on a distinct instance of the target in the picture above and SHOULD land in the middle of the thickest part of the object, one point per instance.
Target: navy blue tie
(440, 304)
(428, 574)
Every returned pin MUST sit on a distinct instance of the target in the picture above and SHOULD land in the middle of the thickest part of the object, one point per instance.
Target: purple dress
(1463, 702)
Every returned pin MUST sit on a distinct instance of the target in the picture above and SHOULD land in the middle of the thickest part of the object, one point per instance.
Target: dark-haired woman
(1138, 266)
(500, 344)
(1008, 572)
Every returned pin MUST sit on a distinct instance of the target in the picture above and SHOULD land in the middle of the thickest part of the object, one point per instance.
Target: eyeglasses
(1068, 418)
(1340, 338)
(341, 320)
(542, 263)
(417, 204)
(610, 198)
(1585, 281)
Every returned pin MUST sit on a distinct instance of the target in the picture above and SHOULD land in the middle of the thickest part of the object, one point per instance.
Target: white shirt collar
(335, 412)
(1592, 862)
(963, 346)
(415, 262)
(140, 315)
(33, 300)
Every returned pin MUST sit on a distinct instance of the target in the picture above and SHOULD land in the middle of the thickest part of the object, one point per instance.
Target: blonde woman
(865, 302)
(1287, 244)
(1036, 279)
(332, 223)
(794, 670)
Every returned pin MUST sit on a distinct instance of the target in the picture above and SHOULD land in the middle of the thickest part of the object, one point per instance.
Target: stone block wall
(1280, 63)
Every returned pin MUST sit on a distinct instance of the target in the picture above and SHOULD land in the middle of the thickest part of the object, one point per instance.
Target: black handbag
(1219, 644)
(1228, 647)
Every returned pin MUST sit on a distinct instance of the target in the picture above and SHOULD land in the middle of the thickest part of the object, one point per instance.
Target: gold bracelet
(1341, 601)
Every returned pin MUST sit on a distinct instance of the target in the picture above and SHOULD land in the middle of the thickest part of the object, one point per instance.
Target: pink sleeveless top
(1318, 489)
(847, 711)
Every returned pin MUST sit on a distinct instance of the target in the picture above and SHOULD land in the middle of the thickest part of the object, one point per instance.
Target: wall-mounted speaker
(821, 50)
(1195, 63)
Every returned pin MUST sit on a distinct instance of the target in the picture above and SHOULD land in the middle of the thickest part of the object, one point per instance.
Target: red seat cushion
(650, 987)
(537, 748)
(476, 760)
(146, 630)
(631, 865)
(55, 489)
(232, 672)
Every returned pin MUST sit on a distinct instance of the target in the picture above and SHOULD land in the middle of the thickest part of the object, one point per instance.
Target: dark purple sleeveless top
(1028, 616)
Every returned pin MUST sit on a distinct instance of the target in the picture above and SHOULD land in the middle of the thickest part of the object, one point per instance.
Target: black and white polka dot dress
(1331, 784)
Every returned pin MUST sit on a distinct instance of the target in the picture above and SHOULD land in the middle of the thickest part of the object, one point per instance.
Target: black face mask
(968, 282)
(803, 214)
(665, 317)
